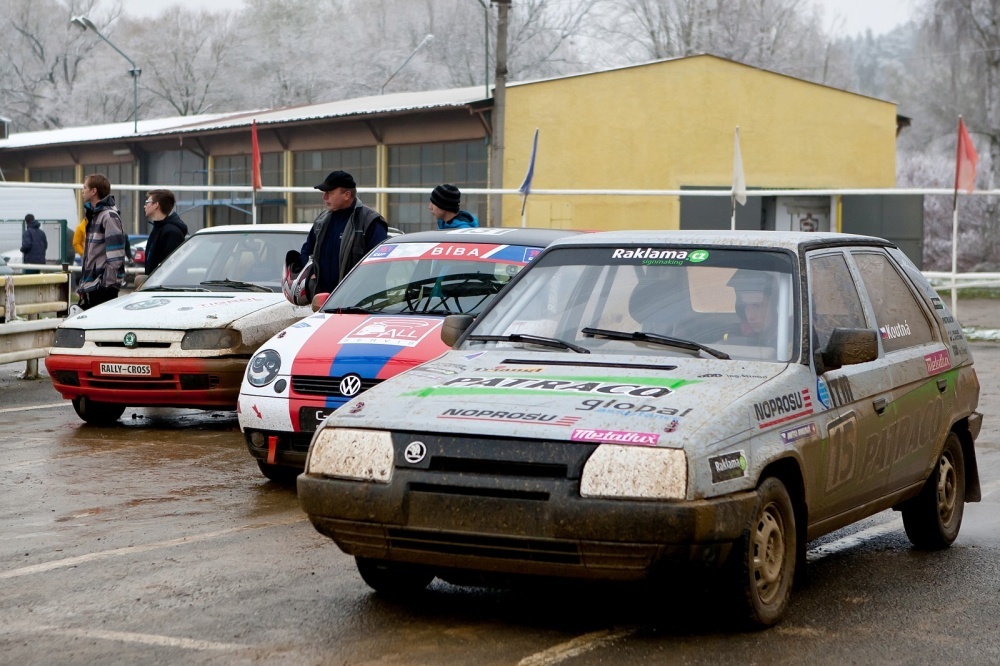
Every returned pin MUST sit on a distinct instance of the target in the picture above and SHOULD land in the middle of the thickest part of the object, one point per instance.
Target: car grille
(328, 386)
(167, 382)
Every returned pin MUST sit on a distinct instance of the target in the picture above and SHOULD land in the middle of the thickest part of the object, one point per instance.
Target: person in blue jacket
(446, 208)
(33, 242)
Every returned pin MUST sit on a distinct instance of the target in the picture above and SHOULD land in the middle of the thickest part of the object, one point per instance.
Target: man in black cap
(445, 206)
(342, 234)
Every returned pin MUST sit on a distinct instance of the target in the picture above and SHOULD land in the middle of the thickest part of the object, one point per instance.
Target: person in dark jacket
(446, 207)
(168, 231)
(33, 242)
(344, 233)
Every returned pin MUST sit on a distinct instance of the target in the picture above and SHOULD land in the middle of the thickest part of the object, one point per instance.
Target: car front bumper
(204, 383)
(533, 527)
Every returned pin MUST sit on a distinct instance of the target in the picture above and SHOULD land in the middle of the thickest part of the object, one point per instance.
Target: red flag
(257, 184)
(965, 162)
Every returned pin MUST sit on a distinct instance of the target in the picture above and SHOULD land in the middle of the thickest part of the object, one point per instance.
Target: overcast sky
(848, 17)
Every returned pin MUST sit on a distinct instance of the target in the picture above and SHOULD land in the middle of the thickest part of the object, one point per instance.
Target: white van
(47, 205)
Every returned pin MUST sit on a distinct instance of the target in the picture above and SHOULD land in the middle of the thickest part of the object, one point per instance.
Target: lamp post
(86, 24)
(427, 40)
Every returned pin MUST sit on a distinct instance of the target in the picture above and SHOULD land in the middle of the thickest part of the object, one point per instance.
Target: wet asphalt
(157, 541)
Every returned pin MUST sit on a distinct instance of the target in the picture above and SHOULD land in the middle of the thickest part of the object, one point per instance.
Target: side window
(834, 297)
(901, 320)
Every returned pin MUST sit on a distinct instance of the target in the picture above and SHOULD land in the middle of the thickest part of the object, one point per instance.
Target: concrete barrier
(32, 308)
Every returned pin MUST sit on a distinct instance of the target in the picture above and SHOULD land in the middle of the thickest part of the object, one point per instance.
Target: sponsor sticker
(805, 431)
(728, 466)
(938, 305)
(783, 408)
(148, 305)
(937, 362)
(893, 331)
(625, 408)
(512, 416)
(615, 436)
(484, 385)
(661, 256)
(397, 331)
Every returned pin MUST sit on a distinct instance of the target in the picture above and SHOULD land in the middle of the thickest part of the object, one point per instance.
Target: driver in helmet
(755, 308)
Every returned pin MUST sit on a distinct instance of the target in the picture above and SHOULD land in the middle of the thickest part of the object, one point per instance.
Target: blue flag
(525, 188)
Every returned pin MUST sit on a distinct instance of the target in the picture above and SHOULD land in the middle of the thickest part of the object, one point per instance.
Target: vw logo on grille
(415, 452)
(130, 340)
(350, 385)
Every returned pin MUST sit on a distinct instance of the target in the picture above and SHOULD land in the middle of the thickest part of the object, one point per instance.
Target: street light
(86, 24)
(427, 40)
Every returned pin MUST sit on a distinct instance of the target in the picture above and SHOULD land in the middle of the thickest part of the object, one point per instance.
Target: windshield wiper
(235, 284)
(347, 310)
(655, 338)
(166, 288)
(531, 340)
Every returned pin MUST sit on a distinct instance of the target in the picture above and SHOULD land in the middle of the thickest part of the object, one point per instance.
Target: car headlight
(263, 368)
(211, 338)
(635, 472)
(71, 338)
(362, 455)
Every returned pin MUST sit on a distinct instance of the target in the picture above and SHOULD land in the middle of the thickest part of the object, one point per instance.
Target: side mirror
(454, 326)
(140, 280)
(848, 346)
(318, 301)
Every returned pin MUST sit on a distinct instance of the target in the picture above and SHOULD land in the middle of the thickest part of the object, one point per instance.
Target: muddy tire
(97, 413)
(393, 579)
(766, 557)
(932, 518)
(279, 473)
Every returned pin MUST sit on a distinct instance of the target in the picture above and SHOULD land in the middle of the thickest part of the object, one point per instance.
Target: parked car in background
(637, 402)
(184, 337)
(382, 319)
(139, 254)
(4, 268)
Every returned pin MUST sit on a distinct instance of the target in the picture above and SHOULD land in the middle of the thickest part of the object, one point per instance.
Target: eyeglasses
(149, 203)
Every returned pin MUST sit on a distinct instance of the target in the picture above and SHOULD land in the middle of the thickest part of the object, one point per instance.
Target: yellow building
(669, 125)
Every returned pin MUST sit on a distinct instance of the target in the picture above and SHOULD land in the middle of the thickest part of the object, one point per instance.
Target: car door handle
(880, 404)
(942, 385)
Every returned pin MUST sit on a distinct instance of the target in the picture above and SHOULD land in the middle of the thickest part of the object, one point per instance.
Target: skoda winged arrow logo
(130, 340)
(415, 452)
(350, 385)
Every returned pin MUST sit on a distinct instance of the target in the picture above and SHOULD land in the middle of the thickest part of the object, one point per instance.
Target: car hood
(372, 346)
(658, 401)
(174, 310)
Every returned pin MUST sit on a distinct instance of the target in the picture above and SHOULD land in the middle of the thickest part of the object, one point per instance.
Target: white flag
(739, 182)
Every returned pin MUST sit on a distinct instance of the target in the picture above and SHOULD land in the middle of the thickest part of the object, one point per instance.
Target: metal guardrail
(32, 308)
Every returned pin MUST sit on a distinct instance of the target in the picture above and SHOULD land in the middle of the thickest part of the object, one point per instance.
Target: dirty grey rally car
(638, 401)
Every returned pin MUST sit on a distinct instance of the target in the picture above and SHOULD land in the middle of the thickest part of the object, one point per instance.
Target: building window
(462, 163)
(57, 175)
(311, 167)
(121, 174)
(234, 207)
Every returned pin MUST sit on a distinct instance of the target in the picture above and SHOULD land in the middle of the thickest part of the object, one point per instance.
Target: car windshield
(737, 304)
(429, 278)
(237, 261)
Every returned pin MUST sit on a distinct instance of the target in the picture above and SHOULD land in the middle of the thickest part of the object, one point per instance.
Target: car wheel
(395, 579)
(932, 518)
(766, 556)
(97, 413)
(279, 473)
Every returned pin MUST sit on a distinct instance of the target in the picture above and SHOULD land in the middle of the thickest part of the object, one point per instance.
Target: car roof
(788, 240)
(499, 235)
(299, 227)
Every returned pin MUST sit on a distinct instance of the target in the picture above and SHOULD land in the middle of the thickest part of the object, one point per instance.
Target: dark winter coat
(33, 243)
(338, 240)
(166, 235)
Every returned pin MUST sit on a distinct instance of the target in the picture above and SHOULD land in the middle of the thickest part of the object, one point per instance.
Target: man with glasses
(103, 272)
(168, 231)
